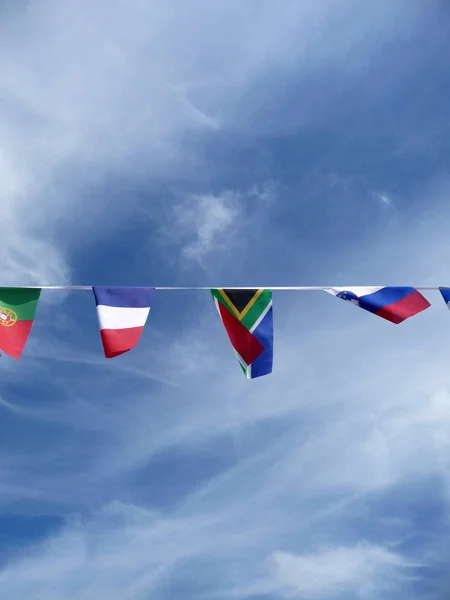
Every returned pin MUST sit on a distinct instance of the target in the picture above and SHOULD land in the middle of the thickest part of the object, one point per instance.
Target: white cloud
(87, 90)
(212, 226)
(29, 259)
(386, 200)
(123, 552)
(103, 88)
(345, 444)
(207, 222)
(362, 570)
(30, 253)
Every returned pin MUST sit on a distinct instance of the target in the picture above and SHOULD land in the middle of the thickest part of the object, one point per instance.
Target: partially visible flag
(17, 310)
(395, 304)
(247, 316)
(122, 313)
(445, 292)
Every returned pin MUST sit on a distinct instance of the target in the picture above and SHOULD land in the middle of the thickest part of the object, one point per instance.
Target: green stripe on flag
(216, 294)
(23, 301)
(257, 309)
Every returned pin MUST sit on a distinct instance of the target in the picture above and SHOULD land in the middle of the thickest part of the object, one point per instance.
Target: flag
(395, 304)
(445, 292)
(17, 310)
(122, 313)
(248, 319)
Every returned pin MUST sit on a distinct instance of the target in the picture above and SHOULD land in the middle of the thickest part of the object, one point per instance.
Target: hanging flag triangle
(17, 310)
(247, 316)
(122, 313)
(445, 293)
(395, 304)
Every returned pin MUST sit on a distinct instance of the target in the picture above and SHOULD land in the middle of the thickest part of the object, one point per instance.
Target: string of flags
(246, 314)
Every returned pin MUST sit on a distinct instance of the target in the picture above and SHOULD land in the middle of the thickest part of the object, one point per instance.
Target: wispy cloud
(168, 470)
(363, 570)
(385, 200)
(207, 221)
(208, 229)
(118, 97)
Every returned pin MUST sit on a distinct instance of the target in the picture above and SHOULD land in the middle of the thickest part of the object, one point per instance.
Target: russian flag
(122, 313)
(395, 304)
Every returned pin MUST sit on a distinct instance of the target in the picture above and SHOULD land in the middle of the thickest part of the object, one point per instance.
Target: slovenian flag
(395, 304)
(122, 313)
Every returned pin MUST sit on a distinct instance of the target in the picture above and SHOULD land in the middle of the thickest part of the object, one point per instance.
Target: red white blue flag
(122, 313)
(395, 304)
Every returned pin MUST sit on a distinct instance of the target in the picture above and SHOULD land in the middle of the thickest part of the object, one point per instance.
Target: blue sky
(225, 143)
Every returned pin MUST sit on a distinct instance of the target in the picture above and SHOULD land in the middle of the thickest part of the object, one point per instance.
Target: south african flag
(248, 319)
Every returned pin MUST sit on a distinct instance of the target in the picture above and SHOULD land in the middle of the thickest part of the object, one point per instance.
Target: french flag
(395, 304)
(122, 313)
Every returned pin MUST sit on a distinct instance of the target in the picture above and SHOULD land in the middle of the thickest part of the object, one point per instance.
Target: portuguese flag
(17, 310)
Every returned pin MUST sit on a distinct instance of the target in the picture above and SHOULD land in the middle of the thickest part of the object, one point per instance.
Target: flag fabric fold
(395, 304)
(17, 311)
(122, 313)
(247, 316)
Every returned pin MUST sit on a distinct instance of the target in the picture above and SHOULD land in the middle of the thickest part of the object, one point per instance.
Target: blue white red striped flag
(122, 313)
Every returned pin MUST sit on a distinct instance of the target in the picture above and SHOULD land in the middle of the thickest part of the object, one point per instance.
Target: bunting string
(245, 312)
(285, 288)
